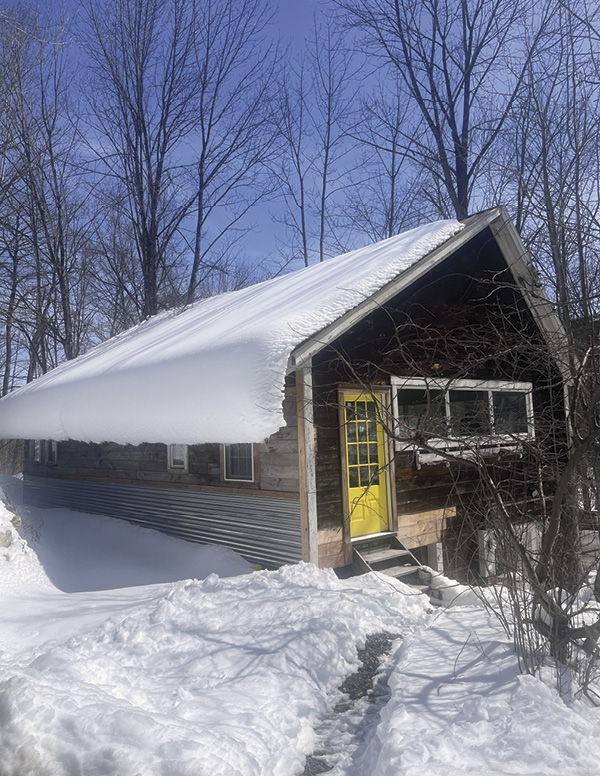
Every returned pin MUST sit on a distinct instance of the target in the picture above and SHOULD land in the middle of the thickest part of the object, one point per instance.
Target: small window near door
(178, 457)
(239, 462)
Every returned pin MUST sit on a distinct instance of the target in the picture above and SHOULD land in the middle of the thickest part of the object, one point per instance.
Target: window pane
(421, 409)
(510, 412)
(365, 476)
(51, 451)
(178, 456)
(37, 450)
(238, 462)
(470, 413)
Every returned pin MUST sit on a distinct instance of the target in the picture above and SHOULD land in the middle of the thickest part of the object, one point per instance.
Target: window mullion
(448, 412)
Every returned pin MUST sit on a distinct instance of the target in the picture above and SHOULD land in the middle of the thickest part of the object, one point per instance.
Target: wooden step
(372, 543)
(383, 553)
(386, 555)
(399, 571)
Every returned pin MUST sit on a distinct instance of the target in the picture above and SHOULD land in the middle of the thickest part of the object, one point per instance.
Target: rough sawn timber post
(306, 460)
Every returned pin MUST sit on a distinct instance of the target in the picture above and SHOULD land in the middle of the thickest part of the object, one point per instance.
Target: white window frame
(463, 446)
(171, 458)
(226, 475)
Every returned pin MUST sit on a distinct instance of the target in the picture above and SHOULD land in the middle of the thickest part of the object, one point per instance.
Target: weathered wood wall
(276, 463)
(463, 321)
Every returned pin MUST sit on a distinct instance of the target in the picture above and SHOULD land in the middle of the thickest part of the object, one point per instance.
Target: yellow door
(365, 464)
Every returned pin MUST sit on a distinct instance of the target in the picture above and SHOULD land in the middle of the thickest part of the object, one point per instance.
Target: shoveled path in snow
(353, 720)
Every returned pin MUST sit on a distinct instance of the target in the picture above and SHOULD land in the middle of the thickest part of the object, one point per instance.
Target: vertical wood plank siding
(264, 530)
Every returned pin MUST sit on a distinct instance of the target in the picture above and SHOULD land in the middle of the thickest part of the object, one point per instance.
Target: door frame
(383, 392)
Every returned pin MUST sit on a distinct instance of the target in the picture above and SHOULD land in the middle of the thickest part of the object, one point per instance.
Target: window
(178, 457)
(36, 455)
(239, 462)
(460, 414)
(362, 445)
(44, 451)
(51, 451)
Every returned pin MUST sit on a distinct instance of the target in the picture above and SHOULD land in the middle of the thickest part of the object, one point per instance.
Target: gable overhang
(518, 263)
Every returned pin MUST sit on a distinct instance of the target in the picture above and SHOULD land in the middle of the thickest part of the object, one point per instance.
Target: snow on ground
(130, 555)
(232, 676)
(459, 706)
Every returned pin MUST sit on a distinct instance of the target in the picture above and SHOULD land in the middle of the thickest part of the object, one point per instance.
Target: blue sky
(294, 19)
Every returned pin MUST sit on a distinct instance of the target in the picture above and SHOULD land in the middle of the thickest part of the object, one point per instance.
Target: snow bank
(213, 372)
(82, 552)
(460, 706)
(20, 569)
(215, 678)
(448, 592)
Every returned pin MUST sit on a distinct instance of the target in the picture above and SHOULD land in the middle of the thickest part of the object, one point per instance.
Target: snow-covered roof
(215, 371)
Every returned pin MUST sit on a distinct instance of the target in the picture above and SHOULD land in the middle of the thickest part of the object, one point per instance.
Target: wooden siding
(276, 471)
(333, 550)
(448, 326)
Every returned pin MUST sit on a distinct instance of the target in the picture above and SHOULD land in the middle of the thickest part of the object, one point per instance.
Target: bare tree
(315, 110)
(451, 58)
(144, 99)
(233, 138)
(550, 166)
(385, 194)
(43, 208)
(54, 220)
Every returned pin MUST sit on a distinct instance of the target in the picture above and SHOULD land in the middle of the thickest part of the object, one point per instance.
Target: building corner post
(307, 464)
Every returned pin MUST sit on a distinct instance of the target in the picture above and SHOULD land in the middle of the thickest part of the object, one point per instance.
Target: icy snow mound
(216, 678)
(20, 569)
(215, 371)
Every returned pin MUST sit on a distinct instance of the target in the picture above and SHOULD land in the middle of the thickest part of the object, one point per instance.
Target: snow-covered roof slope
(215, 371)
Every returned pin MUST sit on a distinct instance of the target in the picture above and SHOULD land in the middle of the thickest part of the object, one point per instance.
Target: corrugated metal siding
(263, 530)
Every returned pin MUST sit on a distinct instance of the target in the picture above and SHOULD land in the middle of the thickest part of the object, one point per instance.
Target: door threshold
(372, 536)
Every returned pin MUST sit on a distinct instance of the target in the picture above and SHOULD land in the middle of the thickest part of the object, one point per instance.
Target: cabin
(323, 415)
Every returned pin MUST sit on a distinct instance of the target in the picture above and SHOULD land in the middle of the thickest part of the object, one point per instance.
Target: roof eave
(519, 264)
(303, 353)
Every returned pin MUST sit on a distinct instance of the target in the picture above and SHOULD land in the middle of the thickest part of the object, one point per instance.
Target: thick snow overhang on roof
(213, 372)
